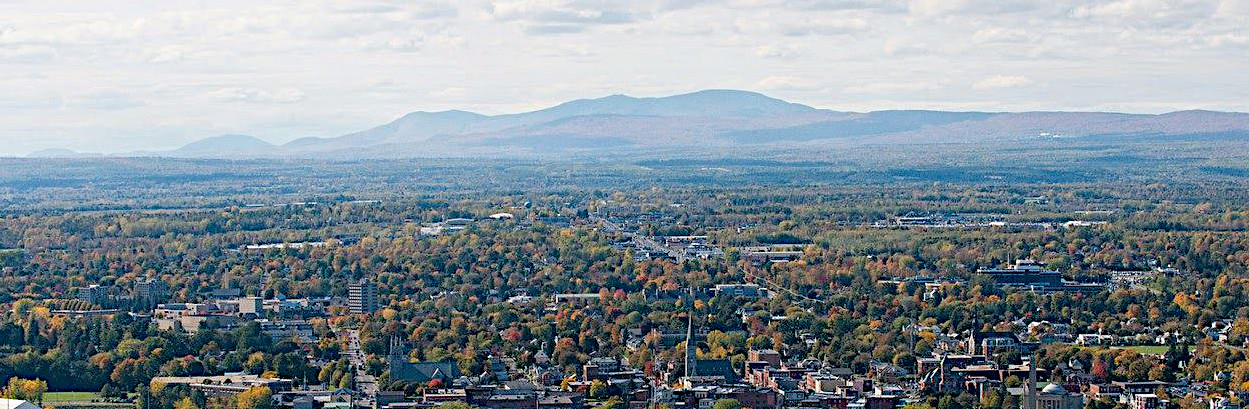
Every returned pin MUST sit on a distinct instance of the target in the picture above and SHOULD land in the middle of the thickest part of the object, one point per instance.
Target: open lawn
(1148, 349)
(55, 397)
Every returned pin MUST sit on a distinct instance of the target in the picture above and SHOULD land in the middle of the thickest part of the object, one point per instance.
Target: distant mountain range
(224, 145)
(706, 120)
(61, 153)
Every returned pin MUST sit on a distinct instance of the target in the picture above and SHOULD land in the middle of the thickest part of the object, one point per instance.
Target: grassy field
(55, 397)
(1148, 349)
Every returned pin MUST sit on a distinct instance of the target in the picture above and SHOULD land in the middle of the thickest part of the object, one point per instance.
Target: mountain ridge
(717, 118)
(224, 145)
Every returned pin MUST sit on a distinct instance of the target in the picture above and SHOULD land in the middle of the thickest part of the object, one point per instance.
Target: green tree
(611, 403)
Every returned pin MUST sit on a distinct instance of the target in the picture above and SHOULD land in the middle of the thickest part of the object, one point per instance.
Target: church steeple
(395, 354)
(691, 348)
(1031, 402)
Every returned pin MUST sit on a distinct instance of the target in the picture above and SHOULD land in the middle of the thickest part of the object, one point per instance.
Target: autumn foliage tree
(25, 389)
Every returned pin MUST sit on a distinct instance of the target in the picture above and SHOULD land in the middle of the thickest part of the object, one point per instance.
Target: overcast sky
(112, 75)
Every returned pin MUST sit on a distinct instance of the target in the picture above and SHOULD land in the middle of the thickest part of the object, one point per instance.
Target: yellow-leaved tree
(185, 403)
(259, 397)
(25, 389)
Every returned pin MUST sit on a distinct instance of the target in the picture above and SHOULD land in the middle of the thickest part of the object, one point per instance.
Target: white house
(17, 404)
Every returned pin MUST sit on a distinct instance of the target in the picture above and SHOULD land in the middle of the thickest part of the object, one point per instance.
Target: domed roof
(1053, 389)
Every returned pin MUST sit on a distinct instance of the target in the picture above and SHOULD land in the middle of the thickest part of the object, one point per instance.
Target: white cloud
(452, 92)
(28, 54)
(893, 87)
(1002, 81)
(929, 8)
(904, 48)
(17, 100)
(104, 100)
(65, 30)
(565, 16)
(999, 35)
(778, 51)
(786, 83)
(236, 94)
(1228, 40)
(1153, 13)
(422, 10)
(876, 5)
(828, 26)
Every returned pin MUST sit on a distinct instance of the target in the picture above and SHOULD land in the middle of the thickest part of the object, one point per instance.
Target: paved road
(366, 385)
(1232, 347)
(645, 243)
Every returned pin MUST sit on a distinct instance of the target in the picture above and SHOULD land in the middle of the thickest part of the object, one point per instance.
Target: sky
(116, 76)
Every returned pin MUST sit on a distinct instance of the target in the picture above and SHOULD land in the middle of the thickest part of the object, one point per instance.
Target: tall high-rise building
(94, 294)
(362, 297)
(151, 291)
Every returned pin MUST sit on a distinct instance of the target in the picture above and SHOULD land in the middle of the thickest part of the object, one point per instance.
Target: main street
(365, 384)
(641, 241)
